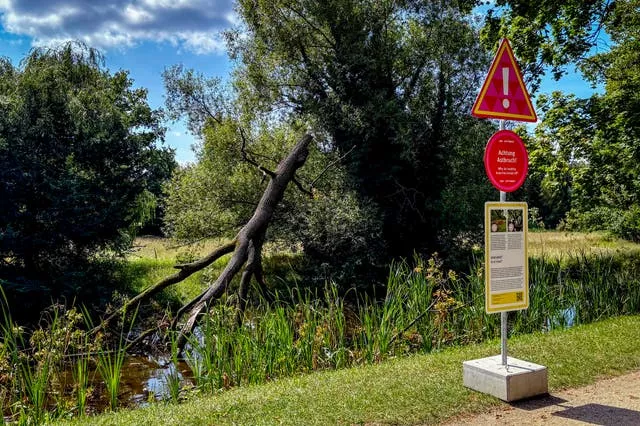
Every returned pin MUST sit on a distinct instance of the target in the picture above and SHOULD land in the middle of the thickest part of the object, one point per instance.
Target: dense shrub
(341, 239)
(624, 224)
(596, 219)
(629, 227)
(78, 164)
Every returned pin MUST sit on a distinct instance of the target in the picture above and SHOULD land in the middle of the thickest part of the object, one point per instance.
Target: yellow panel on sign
(506, 258)
(507, 298)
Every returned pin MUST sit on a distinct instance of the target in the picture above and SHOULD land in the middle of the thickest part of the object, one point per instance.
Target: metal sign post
(503, 315)
(503, 337)
(504, 96)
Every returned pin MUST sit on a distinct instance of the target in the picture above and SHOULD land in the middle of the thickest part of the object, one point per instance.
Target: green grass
(410, 390)
(151, 259)
(163, 248)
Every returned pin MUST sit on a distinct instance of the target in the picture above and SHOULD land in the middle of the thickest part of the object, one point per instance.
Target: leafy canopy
(586, 152)
(78, 161)
(387, 83)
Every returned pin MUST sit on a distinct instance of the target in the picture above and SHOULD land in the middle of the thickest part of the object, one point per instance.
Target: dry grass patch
(560, 244)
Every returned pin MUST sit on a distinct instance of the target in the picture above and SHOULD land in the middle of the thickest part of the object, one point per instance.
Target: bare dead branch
(246, 156)
(330, 165)
(184, 272)
(302, 188)
(246, 247)
(139, 338)
(208, 259)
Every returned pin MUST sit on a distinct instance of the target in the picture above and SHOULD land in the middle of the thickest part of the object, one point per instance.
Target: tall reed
(35, 382)
(11, 361)
(110, 361)
(173, 378)
(30, 376)
(80, 374)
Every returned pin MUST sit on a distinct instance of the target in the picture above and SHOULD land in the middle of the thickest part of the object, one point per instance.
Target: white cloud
(136, 15)
(193, 25)
(201, 43)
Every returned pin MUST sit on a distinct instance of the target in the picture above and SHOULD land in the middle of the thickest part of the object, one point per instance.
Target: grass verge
(413, 390)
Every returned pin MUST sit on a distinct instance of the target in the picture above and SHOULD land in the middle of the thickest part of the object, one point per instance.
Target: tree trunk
(247, 246)
(254, 264)
(252, 231)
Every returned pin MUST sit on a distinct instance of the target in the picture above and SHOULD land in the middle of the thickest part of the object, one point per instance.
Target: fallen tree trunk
(251, 233)
(252, 269)
(246, 248)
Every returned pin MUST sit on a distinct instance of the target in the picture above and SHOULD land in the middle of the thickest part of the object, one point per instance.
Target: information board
(506, 259)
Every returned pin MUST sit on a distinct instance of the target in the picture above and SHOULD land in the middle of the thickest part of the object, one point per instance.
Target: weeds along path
(614, 401)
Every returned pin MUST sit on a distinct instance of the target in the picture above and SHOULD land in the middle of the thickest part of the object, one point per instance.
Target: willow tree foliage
(78, 163)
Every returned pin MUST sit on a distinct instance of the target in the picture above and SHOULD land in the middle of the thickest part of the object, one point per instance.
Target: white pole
(503, 315)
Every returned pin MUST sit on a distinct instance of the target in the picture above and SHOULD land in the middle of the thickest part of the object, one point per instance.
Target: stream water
(565, 318)
(145, 379)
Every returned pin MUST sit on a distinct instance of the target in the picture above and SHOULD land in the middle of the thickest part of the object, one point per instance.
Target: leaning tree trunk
(253, 268)
(246, 248)
(251, 235)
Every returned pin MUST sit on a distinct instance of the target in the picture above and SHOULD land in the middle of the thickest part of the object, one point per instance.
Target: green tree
(586, 151)
(78, 161)
(548, 34)
(387, 82)
(584, 163)
(558, 154)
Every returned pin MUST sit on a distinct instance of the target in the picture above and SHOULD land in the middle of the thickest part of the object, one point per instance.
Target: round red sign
(506, 161)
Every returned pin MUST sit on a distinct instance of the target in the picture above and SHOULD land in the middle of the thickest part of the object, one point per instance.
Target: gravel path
(613, 401)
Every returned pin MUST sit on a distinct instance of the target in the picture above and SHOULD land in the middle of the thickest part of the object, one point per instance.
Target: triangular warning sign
(503, 94)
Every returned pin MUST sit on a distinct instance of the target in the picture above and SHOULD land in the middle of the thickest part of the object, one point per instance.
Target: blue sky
(141, 36)
(145, 37)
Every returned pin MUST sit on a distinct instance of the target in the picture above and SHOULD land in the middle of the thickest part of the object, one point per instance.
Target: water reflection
(145, 379)
(562, 319)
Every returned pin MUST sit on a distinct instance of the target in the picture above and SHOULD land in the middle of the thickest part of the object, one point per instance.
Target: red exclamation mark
(505, 86)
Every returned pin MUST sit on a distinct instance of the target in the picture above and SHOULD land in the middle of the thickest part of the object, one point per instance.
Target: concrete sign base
(517, 380)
